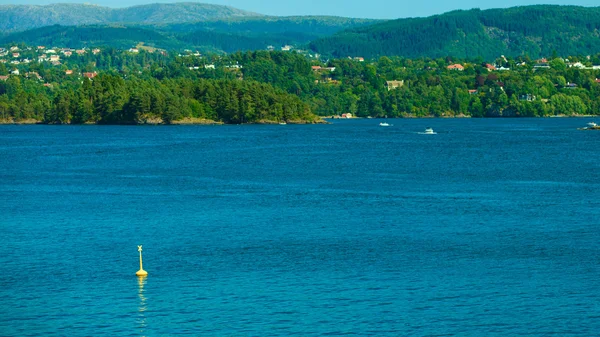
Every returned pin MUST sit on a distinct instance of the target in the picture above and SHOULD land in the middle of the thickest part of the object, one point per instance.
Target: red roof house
(456, 67)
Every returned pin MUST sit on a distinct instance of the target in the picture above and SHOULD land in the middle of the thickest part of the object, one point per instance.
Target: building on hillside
(490, 67)
(90, 75)
(391, 85)
(34, 75)
(456, 67)
(527, 97)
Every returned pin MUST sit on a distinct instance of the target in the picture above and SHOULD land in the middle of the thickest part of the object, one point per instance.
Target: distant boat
(428, 131)
(383, 124)
(282, 123)
(591, 126)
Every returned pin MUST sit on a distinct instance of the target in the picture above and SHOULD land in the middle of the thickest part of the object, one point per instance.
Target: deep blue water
(489, 228)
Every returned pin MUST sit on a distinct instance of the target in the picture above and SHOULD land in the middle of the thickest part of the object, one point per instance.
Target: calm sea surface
(489, 228)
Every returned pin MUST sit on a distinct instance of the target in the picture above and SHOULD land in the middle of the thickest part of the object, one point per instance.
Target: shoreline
(157, 122)
(462, 116)
(321, 120)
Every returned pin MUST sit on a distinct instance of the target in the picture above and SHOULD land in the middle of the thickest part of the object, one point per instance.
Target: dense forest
(536, 31)
(115, 86)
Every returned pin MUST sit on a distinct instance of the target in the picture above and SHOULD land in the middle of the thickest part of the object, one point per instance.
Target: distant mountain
(23, 17)
(533, 30)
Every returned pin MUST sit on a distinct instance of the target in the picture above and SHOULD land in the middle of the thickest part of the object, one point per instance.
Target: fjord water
(489, 228)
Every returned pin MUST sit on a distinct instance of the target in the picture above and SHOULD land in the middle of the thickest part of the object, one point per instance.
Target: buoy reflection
(142, 306)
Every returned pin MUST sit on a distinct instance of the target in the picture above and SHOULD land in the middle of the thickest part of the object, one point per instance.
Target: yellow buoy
(141, 272)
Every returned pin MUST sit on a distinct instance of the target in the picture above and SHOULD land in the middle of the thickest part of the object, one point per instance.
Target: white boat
(282, 123)
(428, 131)
(383, 124)
(592, 124)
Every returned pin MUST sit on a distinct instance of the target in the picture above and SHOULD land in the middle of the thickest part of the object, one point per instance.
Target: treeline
(111, 99)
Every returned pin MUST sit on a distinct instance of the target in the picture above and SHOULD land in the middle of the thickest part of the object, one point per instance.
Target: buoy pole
(141, 272)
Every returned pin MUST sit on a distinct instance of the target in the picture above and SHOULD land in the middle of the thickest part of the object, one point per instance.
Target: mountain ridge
(23, 17)
(534, 30)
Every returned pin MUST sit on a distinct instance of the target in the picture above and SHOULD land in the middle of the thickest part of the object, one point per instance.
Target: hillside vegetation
(84, 36)
(23, 17)
(119, 86)
(532, 30)
(223, 35)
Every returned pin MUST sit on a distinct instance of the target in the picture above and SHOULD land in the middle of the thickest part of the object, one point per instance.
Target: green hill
(23, 17)
(532, 30)
(224, 35)
(252, 33)
(82, 36)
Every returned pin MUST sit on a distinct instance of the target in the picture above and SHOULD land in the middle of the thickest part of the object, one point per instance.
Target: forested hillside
(128, 88)
(23, 17)
(120, 86)
(533, 30)
(225, 35)
(84, 36)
